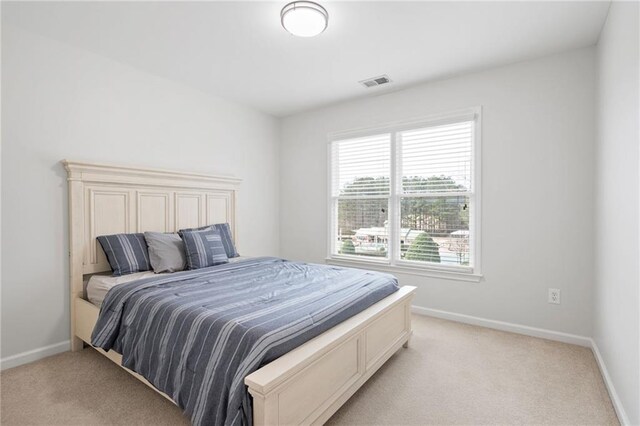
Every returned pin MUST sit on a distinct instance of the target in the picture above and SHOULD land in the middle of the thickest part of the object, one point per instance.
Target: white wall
(616, 297)
(60, 102)
(538, 156)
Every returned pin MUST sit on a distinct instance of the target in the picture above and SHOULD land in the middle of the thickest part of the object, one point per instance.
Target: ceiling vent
(376, 81)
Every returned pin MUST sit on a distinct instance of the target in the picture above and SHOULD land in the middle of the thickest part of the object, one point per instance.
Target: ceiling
(239, 51)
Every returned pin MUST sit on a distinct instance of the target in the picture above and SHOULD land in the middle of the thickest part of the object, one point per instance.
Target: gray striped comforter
(196, 335)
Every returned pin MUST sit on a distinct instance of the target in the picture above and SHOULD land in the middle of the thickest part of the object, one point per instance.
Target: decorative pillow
(166, 252)
(126, 253)
(225, 233)
(203, 248)
(227, 241)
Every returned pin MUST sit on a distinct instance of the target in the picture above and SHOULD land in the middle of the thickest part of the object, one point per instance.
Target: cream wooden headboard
(107, 199)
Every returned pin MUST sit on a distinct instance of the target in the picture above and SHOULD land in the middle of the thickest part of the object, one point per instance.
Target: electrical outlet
(554, 296)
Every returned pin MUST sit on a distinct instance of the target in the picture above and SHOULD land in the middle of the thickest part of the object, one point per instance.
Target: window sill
(383, 266)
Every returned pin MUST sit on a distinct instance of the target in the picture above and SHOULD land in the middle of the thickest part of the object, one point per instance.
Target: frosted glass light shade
(304, 18)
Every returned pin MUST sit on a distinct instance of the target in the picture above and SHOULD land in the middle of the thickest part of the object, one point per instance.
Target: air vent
(376, 81)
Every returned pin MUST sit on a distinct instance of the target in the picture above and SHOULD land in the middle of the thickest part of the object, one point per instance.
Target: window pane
(363, 227)
(435, 229)
(361, 166)
(437, 159)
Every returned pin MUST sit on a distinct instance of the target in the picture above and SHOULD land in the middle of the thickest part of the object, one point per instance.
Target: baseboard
(34, 355)
(615, 399)
(505, 326)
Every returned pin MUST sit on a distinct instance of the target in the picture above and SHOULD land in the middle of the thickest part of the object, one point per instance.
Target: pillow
(166, 252)
(227, 241)
(203, 248)
(126, 253)
(225, 233)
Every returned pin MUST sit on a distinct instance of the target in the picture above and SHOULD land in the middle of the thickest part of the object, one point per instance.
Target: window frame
(394, 263)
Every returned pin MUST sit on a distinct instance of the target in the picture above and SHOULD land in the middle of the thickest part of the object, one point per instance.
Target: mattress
(99, 285)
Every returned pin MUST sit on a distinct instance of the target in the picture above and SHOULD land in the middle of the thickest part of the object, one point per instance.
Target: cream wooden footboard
(309, 384)
(305, 386)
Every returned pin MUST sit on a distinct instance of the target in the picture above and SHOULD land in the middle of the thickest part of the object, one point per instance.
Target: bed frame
(304, 386)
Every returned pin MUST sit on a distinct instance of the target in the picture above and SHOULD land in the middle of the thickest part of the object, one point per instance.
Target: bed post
(407, 318)
(76, 237)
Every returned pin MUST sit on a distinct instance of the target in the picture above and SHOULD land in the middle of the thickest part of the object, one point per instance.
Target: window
(407, 195)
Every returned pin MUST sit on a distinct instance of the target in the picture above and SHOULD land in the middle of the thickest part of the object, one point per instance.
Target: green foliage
(348, 247)
(367, 186)
(410, 184)
(435, 215)
(423, 249)
(417, 184)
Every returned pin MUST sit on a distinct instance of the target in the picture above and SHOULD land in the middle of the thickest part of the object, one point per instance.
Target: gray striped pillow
(126, 253)
(225, 233)
(203, 248)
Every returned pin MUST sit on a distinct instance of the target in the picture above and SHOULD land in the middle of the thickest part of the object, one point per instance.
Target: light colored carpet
(451, 374)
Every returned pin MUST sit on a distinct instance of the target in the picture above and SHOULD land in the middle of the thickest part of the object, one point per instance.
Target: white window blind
(407, 196)
(360, 187)
(362, 166)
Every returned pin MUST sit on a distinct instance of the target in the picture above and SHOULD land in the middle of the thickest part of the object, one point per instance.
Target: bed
(307, 382)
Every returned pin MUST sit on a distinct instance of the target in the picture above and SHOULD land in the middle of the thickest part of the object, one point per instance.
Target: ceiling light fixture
(304, 18)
